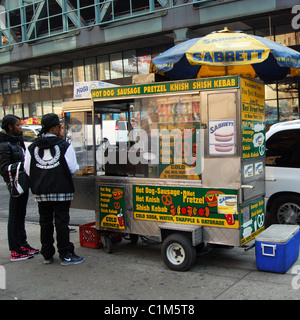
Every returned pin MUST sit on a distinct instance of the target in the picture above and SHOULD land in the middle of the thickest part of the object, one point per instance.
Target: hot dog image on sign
(221, 137)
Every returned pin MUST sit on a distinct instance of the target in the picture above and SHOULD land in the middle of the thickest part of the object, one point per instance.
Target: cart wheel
(178, 252)
(107, 244)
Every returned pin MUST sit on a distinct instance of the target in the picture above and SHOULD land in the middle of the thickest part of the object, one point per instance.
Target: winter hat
(49, 120)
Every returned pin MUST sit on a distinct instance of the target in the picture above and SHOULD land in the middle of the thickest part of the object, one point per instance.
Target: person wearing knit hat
(50, 162)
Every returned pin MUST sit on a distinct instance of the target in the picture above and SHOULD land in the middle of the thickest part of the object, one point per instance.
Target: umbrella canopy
(31, 121)
(228, 53)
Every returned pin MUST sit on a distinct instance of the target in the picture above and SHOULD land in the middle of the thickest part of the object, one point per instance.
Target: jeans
(59, 210)
(16, 222)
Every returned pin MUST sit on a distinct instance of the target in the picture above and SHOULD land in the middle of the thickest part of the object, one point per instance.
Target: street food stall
(179, 162)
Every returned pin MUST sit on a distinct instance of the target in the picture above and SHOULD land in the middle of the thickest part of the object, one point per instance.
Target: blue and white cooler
(277, 248)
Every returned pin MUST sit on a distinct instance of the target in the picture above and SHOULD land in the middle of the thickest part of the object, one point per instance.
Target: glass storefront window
(1, 114)
(45, 78)
(47, 107)
(103, 67)
(129, 63)
(57, 108)
(143, 64)
(34, 79)
(288, 89)
(78, 71)
(116, 65)
(18, 110)
(271, 111)
(26, 110)
(90, 69)
(6, 84)
(285, 35)
(288, 109)
(15, 83)
(270, 91)
(24, 79)
(9, 110)
(67, 74)
(298, 37)
(37, 109)
(55, 76)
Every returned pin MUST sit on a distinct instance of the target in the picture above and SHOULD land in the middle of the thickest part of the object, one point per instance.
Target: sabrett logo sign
(165, 87)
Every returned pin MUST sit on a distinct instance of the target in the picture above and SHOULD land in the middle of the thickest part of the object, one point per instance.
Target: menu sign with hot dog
(112, 207)
(199, 206)
(221, 137)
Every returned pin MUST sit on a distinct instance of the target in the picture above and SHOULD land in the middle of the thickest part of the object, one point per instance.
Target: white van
(115, 131)
(283, 173)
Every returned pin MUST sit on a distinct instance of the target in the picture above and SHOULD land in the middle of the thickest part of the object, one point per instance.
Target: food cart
(183, 164)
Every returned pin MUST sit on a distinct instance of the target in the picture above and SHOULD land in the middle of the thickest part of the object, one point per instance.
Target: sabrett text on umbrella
(228, 56)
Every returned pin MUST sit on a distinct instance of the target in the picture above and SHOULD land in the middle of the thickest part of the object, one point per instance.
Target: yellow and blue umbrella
(228, 53)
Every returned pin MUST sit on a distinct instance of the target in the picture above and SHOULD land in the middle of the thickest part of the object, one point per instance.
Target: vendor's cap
(49, 120)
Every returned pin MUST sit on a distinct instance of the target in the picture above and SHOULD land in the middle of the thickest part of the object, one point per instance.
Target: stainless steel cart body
(186, 165)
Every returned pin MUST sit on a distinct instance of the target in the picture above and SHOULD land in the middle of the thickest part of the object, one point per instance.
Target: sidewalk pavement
(136, 272)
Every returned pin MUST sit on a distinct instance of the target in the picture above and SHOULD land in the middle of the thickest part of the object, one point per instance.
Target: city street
(136, 272)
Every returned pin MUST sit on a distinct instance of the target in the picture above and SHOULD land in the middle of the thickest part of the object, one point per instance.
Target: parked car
(30, 132)
(283, 173)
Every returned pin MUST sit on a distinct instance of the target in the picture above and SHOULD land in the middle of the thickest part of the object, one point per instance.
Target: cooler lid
(278, 233)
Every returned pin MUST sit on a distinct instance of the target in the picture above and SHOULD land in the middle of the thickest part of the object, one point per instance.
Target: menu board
(198, 206)
(112, 207)
(253, 119)
(179, 152)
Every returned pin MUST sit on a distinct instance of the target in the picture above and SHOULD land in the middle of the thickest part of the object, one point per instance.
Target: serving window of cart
(154, 137)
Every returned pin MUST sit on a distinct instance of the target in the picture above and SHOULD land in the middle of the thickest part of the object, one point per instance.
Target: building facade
(48, 45)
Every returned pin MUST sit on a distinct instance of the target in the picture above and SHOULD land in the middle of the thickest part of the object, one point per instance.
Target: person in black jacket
(50, 162)
(12, 151)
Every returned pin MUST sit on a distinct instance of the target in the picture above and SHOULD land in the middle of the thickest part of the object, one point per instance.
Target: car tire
(286, 210)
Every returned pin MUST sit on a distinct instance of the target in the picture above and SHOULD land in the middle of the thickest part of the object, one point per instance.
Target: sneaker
(71, 258)
(48, 261)
(29, 250)
(72, 230)
(19, 256)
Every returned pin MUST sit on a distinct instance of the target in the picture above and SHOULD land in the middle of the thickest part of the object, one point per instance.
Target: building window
(37, 109)
(143, 60)
(18, 110)
(24, 80)
(103, 67)
(26, 110)
(47, 107)
(78, 71)
(90, 69)
(55, 76)
(57, 108)
(1, 113)
(282, 101)
(45, 78)
(116, 65)
(34, 79)
(6, 83)
(129, 63)
(67, 74)
(15, 83)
